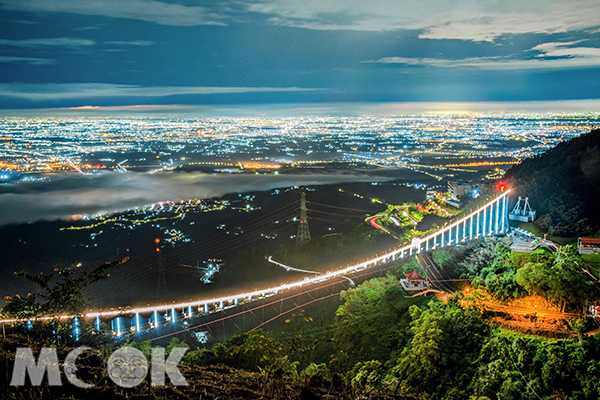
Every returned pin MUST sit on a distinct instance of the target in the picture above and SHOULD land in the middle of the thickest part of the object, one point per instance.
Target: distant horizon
(307, 109)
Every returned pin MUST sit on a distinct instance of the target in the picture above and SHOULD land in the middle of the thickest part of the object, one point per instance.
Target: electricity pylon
(303, 235)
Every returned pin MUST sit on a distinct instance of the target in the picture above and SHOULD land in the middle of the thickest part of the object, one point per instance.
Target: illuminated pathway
(489, 219)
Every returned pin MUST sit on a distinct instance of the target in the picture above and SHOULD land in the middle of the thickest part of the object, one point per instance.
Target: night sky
(115, 53)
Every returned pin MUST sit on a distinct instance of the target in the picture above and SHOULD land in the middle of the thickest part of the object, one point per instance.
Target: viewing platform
(414, 281)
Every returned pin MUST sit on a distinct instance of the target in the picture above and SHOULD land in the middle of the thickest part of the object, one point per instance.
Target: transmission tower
(303, 235)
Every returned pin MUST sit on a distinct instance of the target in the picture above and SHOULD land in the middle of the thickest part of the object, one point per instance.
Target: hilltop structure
(459, 189)
(588, 246)
(414, 281)
(522, 213)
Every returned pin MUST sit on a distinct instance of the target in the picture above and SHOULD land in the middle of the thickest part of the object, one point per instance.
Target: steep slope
(563, 184)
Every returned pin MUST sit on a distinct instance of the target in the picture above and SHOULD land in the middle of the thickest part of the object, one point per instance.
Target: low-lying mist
(64, 195)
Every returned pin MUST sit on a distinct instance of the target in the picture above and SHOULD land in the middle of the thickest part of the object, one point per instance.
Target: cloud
(24, 22)
(26, 60)
(551, 55)
(549, 46)
(45, 42)
(67, 91)
(132, 43)
(563, 49)
(87, 28)
(476, 20)
(67, 195)
(146, 10)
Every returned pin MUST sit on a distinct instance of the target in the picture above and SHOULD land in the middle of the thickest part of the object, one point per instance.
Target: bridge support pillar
(505, 229)
(484, 221)
(497, 214)
(76, 330)
(471, 228)
(456, 238)
(117, 326)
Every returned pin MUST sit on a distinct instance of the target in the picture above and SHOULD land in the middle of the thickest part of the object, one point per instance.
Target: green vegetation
(429, 350)
(508, 275)
(593, 262)
(379, 343)
(563, 185)
(60, 292)
(559, 279)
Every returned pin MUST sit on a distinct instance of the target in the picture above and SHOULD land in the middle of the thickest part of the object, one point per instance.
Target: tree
(250, 351)
(60, 292)
(276, 373)
(367, 375)
(559, 280)
(421, 360)
(21, 308)
(369, 322)
(175, 343)
(447, 340)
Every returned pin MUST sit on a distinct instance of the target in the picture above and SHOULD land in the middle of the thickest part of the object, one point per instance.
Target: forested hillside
(563, 185)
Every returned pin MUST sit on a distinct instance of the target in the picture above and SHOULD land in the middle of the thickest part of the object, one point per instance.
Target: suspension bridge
(164, 320)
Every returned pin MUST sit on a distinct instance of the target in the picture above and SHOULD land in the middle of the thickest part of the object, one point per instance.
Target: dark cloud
(65, 195)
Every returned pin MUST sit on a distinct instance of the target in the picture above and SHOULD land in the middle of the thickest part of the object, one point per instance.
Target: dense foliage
(427, 350)
(60, 292)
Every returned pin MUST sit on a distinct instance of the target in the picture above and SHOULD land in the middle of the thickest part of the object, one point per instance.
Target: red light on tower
(502, 187)
(157, 240)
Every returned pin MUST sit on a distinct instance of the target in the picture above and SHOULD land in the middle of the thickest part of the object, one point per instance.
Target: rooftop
(414, 276)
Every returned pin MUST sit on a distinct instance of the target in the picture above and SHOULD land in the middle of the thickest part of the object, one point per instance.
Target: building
(588, 246)
(454, 203)
(414, 281)
(459, 189)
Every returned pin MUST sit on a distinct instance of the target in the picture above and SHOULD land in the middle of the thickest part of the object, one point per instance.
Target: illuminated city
(95, 144)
